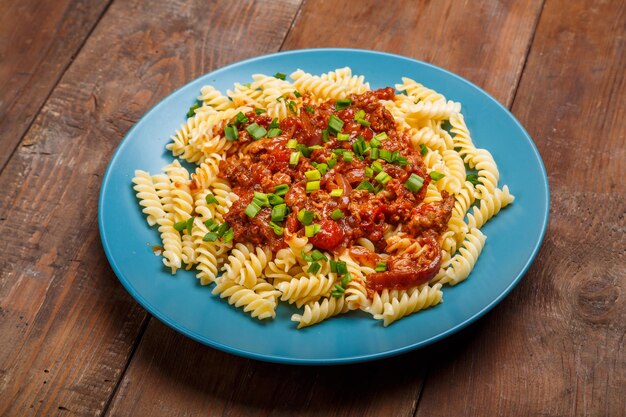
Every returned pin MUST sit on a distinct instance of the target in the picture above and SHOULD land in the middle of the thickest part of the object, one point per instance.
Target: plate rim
(155, 312)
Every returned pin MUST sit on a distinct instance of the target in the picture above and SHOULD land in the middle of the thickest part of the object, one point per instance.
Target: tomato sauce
(366, 210)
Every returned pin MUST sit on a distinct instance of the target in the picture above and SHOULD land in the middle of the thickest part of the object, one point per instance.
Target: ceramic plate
(513, 237)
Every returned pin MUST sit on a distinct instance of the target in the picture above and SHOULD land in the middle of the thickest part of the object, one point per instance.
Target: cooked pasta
(322, 193)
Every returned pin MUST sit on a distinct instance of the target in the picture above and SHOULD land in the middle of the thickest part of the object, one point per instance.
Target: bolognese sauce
(335, 172)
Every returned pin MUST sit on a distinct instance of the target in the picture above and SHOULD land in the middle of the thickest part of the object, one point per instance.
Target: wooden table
(75, 75)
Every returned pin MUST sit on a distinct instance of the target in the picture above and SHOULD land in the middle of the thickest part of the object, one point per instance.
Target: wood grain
(67, 325)
(34, 53)
(174, 376)
(485, 42)
(555, 347)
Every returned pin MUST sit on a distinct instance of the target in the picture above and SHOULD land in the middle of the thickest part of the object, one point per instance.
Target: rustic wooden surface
(73, 342)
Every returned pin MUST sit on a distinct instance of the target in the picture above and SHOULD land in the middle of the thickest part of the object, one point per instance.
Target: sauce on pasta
(348, 173)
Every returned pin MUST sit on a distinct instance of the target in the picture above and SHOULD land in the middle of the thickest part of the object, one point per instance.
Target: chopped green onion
(359, 115)
(313, 174)
(314, 147)
(394, 156)
(312, 229)
(256, 131)
(314, 268)
(252, 210)
(342, 137)
(294, 158)
(280, 75)
(316, 255)
(241, 118)
(380, 267)
(374, 153)
(337, 294)
(336, 214)
(292, 107)
(261, 199)
(340, 267)
(377, 166)
(274, 123)
(381, 136)
(402, 161)
(312, 186)
(231, 133)
(277, 228)
(192, 109)
(473, 178)
(210, 199)
(423, 149)
(335, 124)
(306, 256)
(259, 111)
(385, 155)
(303, 149)
(273, 133)
(228, 236)
(414, 183)
(281, 189)
(222, 229)
(363, 122)
(366, 185)
(189, 225)
(275, 199)
(336, 192)
(211, 225)
(369, 172)
(359, 146)
(309, 109)
(383, 177)
(279, 212)
(180, 226)
(292, 143)
(347, 156)
(345, 280)
(210, 237)
(342, 104)
(297, 94)
(436, 175)
(305, 217)
(332, 161)
(322, 168)
(325, 135)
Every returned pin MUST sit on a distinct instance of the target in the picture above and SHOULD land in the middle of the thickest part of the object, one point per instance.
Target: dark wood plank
(38, 40)
(67, 325)
(555, 347)
(485, 42)
(160, 382)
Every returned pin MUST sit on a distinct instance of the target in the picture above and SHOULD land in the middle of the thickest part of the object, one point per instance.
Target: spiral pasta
(192, 209)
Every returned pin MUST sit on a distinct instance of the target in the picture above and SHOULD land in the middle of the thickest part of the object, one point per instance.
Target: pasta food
(323, 193)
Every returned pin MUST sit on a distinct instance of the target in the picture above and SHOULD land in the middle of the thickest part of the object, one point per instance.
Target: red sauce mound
(368, 206)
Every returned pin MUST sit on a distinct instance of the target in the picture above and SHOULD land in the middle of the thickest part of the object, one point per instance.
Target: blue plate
(513, 237)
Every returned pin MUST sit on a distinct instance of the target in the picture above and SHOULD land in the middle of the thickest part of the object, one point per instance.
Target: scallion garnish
(180, 226)
(312, 229)
(335, 124)
(281, 189)
(275, 199)
(309, 109)
(261, 199)
(274, 123)
(256, 131)
(374, 153)
(273, 133)
(365, 185)
(312, 175)
(385, 155)
(210, 237)
(381, 136)
(294, 158)
(259, 111)
(277, 228)
(231, 133)
(473, 178)
(192, 109)
(241, 118)
(189, 225)
(423, 149)
(280, 75)
(252, 210)
(291, 105)
(322, 168)
(228, 236)
(377, 166)
(383, 177)
(279, 212)
(369, 172)
(342, 137)
(337, 192)
(380, 267)
(359, 115)
(312, 186)
(414, 183)
(332, 161)
(347, 156)
(342, 104)
(336, 214)
(436, 175)
(314, 268)
(222, 229)
(363, 122)
(297, 94)
(291, 144)
(210, 199)
(305, 217)
(316, 255)
(325, 137)
(374, 143)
